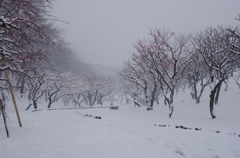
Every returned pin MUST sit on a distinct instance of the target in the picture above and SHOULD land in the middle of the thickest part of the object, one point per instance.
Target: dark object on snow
(87, 115)
(96, 117)
(183, 127)
(162, 125)
(37, 110)
(149, 108)
(197, 129)
(114, 107)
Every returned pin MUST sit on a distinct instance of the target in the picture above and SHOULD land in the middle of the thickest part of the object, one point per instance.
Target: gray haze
(104, 31)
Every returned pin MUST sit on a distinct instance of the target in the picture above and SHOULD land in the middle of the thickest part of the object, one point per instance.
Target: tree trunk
(22, 86)
(170, 103)
(34, 104)
(217, 94)
(211, 103)
(165, 101)
(156, 99)
(93, 98)
(126, 98)
(171, 107)
(197, 100)
(201, 91)
(100, 100)
(145, 93)
(2, 108)
(29, 106)
(192, 95)
(195, 94)
(49, 103)
(84, 99)
(136, 103)
(171, 111)
(212, 98)
(76, 103)
(153, 94)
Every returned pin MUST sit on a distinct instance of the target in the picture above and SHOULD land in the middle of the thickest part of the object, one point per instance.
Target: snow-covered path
(128, 132)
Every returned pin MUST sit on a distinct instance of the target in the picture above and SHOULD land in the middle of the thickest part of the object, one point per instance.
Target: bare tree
(167, 56)
(96, 87)
(36, 88)
(196, 75)
(124, 88)
(60, 85)
(134, 72)
(108, 88)
(220, 51)
(20, 30)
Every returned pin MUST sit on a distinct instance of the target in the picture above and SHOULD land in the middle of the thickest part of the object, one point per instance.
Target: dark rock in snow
(149, 108)
(197, 129)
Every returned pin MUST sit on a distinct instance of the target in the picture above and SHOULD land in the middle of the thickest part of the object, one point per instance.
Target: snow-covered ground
(128, 132)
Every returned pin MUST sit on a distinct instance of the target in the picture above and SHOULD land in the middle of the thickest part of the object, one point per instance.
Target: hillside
(128, 132)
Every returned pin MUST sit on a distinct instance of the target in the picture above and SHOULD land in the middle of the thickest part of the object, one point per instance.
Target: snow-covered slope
(128, 132)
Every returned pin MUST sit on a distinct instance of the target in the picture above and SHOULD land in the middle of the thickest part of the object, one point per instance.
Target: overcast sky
(104, 31)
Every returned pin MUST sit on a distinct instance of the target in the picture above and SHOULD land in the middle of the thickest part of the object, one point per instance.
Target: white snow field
(128, 132)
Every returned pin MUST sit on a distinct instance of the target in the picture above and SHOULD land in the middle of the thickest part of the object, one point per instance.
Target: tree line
(39, 63)
(166, 62)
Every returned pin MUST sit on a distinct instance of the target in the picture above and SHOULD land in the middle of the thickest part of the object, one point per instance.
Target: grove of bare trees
(167, 62)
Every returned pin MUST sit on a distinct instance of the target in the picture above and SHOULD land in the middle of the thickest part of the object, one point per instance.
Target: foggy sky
(104, 31)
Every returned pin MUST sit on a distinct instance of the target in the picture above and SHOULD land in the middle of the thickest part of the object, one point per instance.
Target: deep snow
(128, 132)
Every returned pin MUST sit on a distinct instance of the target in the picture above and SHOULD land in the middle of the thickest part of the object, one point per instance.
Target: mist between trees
(42, 66)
